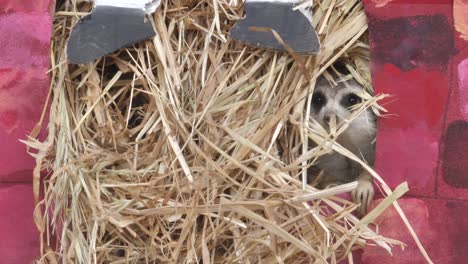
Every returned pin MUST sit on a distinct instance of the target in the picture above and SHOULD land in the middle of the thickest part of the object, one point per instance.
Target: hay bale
(191, 147)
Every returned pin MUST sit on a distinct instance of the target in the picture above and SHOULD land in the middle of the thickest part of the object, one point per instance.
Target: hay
(191, 147)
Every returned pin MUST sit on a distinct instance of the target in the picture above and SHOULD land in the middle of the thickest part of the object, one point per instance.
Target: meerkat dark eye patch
(350, 100)
(318, 100)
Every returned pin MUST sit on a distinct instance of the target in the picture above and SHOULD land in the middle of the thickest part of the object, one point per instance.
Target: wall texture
(25, 31)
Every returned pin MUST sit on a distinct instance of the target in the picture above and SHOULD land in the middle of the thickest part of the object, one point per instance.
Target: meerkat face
(338, 101)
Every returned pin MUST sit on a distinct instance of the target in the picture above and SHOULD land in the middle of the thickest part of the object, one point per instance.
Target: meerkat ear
(340, 66)
(322, 82)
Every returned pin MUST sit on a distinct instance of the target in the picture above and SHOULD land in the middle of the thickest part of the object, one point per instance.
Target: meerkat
(330, 101)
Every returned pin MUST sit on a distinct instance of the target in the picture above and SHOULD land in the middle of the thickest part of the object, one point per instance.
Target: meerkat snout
(326, 119)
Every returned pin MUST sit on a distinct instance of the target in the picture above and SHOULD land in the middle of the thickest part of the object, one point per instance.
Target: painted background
(25, 31)
(419, 54)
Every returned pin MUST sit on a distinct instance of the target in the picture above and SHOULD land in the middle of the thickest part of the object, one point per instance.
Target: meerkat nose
(326, 119)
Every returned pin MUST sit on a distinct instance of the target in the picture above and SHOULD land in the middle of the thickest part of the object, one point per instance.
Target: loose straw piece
(339, 189)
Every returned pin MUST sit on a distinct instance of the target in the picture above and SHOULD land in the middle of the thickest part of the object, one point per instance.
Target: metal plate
(293, 27)
(106, 30)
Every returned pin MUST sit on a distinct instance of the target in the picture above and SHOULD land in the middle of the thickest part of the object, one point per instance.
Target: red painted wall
(418, 57)
(25, 31)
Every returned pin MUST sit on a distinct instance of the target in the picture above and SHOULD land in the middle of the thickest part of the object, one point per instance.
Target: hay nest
(191, 147)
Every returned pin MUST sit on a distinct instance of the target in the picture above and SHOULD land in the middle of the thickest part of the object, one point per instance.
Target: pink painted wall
(419, 58)
(25, 31)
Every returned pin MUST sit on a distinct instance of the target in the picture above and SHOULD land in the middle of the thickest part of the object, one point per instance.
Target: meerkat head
(330, 101)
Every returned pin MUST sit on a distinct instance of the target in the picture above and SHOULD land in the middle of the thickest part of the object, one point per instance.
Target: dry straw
(191, 147)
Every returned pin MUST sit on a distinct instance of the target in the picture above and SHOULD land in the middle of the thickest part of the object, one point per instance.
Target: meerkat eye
(350, 100)
(318, 100)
